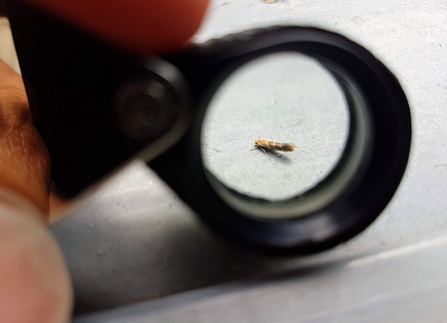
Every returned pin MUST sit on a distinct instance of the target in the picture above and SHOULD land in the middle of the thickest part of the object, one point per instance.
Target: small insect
(274, 146)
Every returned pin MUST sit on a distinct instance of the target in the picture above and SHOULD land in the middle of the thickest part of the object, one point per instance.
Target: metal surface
(133, 240)
(335, 292)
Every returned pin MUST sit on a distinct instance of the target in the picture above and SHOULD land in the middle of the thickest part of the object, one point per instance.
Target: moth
(274, 146)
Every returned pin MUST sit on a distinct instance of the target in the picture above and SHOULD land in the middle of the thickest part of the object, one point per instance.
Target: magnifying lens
(293, 99)
(288, 139)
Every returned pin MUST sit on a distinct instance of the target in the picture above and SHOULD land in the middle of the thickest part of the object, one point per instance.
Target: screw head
(145, 109)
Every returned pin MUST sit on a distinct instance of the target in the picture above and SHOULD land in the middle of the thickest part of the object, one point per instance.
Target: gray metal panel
(133, 240)
(406, 284)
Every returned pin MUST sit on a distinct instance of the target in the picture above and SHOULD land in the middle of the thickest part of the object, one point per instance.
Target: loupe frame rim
(361, 203)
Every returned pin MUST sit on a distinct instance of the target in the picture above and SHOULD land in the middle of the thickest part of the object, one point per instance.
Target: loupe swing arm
(85, 96)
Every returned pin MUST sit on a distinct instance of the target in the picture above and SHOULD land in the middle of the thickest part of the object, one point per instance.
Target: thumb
(141, 26)
(34, 282)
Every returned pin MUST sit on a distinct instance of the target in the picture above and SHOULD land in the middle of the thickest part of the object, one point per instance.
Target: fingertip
(35, 285)
(141, 26)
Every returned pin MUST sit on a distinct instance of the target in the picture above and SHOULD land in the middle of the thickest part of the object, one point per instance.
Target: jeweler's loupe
(300, 138)
(288, 139)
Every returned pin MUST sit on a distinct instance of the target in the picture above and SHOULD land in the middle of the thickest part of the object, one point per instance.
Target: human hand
(34, 283)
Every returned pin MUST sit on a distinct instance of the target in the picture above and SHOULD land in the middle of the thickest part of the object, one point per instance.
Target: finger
(24, 159)
(141, 26)
(58, 205)
(35, 285)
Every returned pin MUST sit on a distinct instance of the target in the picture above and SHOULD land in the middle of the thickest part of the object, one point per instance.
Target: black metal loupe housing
(96, 107)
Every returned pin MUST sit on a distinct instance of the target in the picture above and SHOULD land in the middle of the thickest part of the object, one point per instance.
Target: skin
(34, 283)
(141, 26)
